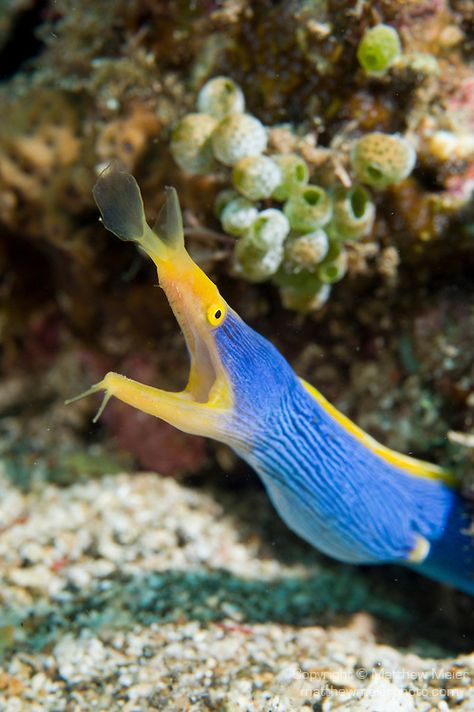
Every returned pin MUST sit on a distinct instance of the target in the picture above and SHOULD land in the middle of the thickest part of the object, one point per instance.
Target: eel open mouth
(203, 407)
(191, 294)
(206, 370)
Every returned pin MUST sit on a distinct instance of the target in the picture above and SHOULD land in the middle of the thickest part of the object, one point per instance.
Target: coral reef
(83, 88)
(289, 130)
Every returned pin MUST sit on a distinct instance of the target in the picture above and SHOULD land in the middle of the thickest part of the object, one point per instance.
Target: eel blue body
(327, 486)
(333, 484)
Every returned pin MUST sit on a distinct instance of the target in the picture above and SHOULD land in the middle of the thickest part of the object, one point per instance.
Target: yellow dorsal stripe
(404, 462)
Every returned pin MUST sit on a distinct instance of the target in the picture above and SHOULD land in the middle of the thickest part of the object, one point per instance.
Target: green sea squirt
(378, 49)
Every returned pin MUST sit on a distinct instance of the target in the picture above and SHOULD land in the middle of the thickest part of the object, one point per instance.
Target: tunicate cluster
(289, 230)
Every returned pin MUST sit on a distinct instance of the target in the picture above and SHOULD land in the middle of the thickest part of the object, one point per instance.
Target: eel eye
(215, 314)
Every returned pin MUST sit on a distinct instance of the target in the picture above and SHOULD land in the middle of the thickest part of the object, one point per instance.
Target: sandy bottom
(134, 592)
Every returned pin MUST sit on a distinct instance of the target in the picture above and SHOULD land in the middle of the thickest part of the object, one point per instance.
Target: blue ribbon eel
(334, 485)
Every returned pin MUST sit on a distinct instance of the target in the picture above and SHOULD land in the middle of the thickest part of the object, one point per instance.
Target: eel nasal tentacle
(90, 391)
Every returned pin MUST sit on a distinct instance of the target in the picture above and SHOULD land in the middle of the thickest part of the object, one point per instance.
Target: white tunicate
(238, 136)
(220, 97)
(256, 177)
(305, 252)
(255, 261)
(238, 216)
(191, 144)
(271, 226)
(259, 253)
(223, 198)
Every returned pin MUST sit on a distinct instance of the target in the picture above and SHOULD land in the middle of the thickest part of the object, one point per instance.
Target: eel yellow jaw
(198, 308)
(201, 408)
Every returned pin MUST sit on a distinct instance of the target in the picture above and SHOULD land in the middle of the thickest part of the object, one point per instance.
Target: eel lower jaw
(208, 383)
